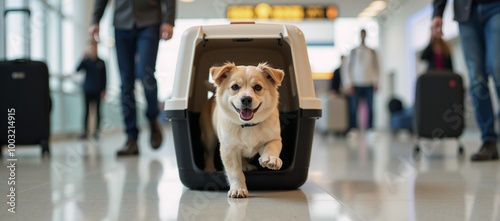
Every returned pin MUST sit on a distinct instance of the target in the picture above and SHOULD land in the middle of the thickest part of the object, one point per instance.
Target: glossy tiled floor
(349, 179)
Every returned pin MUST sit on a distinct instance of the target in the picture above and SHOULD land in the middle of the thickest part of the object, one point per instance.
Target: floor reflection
(349, 179)
(201, 205)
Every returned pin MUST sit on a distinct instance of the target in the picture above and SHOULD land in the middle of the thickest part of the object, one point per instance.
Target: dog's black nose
(246, 100)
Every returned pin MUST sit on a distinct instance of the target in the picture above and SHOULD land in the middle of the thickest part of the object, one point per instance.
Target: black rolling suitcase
(24, 101)
(439, 107)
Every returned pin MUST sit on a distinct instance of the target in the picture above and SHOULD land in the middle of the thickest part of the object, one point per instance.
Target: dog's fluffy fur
(244, 117)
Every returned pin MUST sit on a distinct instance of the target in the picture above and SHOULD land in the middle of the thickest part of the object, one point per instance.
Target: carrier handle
(27, 29)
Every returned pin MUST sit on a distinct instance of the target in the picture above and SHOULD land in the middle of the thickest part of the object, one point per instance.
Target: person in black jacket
(139, 25)
(478, 23)
(438, 55)
(94, 86)
(336, 80)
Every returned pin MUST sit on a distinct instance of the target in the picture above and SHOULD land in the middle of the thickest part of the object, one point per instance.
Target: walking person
(336, 81)
(360, 79)
(94, 86)
(139, 25)
(437, 55)
(478, 22)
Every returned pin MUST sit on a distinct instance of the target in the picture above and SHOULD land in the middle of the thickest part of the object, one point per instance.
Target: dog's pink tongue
(246, 114)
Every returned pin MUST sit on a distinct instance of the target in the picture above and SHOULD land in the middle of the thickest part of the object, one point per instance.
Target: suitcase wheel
(45, 147)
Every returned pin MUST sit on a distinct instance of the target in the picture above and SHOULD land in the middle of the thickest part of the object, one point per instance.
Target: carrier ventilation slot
(280, 40)
(242, 39)
(204, 40)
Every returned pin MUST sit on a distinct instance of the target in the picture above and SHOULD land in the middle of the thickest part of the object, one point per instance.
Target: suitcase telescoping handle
(27, 30)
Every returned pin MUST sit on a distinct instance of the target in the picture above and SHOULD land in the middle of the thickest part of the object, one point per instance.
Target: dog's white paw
(273, 163)
(237, 193)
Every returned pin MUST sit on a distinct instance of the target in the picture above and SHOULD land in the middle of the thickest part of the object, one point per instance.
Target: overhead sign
(281, 12)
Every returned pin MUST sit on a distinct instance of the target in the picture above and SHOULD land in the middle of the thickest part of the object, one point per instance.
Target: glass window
(54, 41)
(38, 25)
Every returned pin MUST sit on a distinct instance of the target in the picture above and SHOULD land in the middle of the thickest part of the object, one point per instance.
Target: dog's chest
(248, 138)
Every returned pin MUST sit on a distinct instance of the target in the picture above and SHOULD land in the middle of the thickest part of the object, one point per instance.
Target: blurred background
(398, 31)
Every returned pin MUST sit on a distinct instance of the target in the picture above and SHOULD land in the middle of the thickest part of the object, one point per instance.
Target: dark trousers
(92, 98)
(365, 92)
(136, 51)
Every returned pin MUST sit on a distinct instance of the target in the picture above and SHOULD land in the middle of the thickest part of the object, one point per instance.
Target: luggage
(400, 117)
(439, 107)
(25, 97)
(336, 115)
(395, 105)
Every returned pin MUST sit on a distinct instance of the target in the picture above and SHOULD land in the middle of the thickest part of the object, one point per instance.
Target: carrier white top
(195, 35)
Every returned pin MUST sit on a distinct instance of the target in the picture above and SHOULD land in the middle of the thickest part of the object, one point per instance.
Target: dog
(244, 117)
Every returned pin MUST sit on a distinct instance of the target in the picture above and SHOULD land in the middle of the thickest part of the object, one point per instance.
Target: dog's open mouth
(246, 114)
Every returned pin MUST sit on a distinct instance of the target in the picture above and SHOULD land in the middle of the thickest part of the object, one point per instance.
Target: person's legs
(473, 43)
(492, 38)
(125, 51)
(86, 116)
(98, 115)
(369, 103)
(353, 108)
(490, 15)
(147, 48)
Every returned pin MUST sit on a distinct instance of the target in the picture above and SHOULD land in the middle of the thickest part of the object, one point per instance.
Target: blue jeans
(136, 51)
(480, 38)
(361, 92)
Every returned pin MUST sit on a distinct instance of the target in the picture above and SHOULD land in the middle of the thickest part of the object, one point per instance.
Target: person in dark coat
(438, 55)
(336, 81)
(94, 86)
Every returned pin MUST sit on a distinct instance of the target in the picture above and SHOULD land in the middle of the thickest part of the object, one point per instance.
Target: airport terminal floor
(361, 177)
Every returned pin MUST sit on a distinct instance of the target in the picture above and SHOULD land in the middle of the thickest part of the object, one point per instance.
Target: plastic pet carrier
(281, 46)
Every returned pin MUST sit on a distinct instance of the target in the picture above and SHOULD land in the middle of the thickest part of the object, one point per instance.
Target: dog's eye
(235, 87)
(257, 87)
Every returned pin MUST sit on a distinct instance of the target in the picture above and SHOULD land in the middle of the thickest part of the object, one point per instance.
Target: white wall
(395, 54)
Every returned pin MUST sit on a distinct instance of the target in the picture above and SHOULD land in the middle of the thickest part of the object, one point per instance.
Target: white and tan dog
(244, 116)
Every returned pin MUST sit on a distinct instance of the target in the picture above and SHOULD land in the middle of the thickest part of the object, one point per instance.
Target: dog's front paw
(273, 163)
(237, 193)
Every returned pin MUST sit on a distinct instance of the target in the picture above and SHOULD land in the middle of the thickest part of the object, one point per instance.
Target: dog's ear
(219, 74)
(274, 75)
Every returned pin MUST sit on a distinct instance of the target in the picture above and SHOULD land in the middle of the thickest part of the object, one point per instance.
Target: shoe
(83, 136)
(129, 149)
(488, 151)
(96, 136)
(156, 136)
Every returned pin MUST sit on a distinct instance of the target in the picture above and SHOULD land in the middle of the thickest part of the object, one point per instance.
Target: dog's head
(247, 94)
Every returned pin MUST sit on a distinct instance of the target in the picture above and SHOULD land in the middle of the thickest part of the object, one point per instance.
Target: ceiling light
(373, 9)
(367, 13)
(378, 5)
(187, 1)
